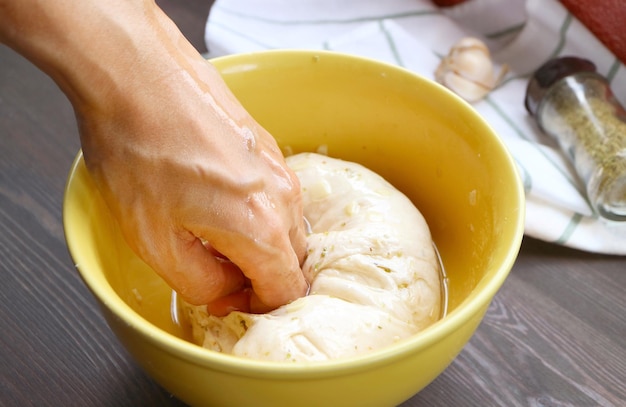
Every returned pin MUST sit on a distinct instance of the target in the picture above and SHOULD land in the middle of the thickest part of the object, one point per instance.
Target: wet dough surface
(375, 274)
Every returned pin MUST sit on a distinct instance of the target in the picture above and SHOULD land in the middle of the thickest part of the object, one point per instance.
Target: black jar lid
(551, 72)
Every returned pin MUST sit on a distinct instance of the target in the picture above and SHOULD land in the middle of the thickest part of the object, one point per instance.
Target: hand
(200, 190)
(175, 168)
(180, 162)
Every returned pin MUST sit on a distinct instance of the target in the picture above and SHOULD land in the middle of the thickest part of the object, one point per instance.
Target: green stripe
(331, 21)
(569, 229)
(527, 180)
(504, 32)
(613, 70)
(439, 55)
(576, 219)
(557, 50)
(391, 43)
(562, 35)
(559, 47)
(523, 136)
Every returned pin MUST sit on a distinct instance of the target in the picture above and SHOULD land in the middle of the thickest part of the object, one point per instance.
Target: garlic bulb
(468, 71)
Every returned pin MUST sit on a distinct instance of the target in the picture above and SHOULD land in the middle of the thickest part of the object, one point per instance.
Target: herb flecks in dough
(375, 271)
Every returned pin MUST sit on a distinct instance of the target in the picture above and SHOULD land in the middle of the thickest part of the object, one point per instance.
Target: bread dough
(375, 274)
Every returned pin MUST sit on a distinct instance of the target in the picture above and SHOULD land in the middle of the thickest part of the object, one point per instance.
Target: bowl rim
(465, 311)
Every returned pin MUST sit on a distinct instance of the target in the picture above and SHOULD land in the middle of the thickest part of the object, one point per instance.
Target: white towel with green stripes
(415, 34)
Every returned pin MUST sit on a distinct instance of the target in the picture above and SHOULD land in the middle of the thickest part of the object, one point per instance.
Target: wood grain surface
(553, 336)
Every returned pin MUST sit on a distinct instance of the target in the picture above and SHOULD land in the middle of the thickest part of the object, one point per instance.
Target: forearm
(113, 59)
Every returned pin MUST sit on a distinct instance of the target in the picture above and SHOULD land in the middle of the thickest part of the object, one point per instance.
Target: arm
(175, 156)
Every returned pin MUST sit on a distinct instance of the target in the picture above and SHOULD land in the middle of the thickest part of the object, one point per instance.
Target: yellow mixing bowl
(422, 138)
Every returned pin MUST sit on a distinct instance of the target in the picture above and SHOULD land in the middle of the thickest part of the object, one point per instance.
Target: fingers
(297, 237)
(275, 294)
(272, 263)
(279, 279)
(197, 275)
(292, 285)
(237, 301)
(215, 271)
(256, 305)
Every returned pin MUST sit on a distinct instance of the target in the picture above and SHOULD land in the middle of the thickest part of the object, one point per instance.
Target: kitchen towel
(416, 35)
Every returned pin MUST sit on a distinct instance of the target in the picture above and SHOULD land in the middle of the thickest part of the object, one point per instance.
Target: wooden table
(553, 336)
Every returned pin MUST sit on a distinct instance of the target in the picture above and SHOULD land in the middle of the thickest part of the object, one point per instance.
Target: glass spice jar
(574, 104)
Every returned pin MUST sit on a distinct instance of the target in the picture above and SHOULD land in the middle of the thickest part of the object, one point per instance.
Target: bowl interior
(420, 137)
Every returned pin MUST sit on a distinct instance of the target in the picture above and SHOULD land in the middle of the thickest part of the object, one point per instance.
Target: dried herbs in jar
(574, 104)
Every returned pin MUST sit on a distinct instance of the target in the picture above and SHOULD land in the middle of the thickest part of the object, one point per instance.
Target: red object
(606, 19)
(448, 3)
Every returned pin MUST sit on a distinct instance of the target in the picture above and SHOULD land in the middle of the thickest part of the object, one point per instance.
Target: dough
(375, 274)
